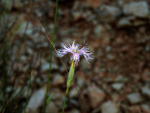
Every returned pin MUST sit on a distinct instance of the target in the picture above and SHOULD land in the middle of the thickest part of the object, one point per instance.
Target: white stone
(117, 86)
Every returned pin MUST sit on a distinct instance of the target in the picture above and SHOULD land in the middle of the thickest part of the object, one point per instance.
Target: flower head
(76, 51)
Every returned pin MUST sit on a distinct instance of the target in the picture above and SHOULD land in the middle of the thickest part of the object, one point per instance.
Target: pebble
(125, 21)
(51, 108)
(98, 31)
(73, 93)
(23, 29)
(80, 82)
(58, 79)
(36, 99)
(59, 99)
(74, 111)
(109, 107)
(96, 96)
(109, 13)
(45, 67)
(134, 98)
(117, 86)
(121, 78)
(93, 3)
(139, 9)
(146, 91)
(146, 107)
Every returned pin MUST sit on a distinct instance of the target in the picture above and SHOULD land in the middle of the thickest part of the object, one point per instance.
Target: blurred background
(117, 80)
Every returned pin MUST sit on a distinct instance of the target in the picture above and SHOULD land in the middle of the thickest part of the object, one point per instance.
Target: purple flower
(76, 51)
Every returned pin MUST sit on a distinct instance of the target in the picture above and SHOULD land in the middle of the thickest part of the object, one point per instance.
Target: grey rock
(121, 78)
(9, 89)
(36, 37)
(77, 15)
(117, 86)
(23, 29)
(108, 49)
(23, 59)
(125, 21)
(80, 82)
(139, 9)
(51, 108)
(134, 98)
(30, 51)
(74, 111)
(36, 99)
(62, 69)
(54, 66)
(96, 96)
(86, 33)
(98, 31)
(109, 107)
(130, 21)
(74, 102)
(146, 107)
(110, 56)
(45, 67)
(109, 13)
(146, 90)
(73, 93)
(59, 99)
(58, 79)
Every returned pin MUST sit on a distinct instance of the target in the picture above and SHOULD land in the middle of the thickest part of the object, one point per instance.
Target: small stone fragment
(109, 13)
(74, 111)
(45, 67)
(51, 108)
(134, 98)
(94, 3)
(146, 107)
(96, 96)
(109, 107)
(117, 86)
(121, 79)
(73, 93)
(125, 21)
(98, 31)
(36, 99)
(146, 91)
(58, 79)
(139, 9)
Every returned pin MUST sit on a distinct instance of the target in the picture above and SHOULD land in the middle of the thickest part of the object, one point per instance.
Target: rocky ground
(116, 81)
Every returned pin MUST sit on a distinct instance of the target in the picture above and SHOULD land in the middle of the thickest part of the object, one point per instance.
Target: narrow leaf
(49, 98)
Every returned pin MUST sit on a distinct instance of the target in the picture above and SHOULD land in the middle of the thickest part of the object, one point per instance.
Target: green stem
(51, 54)
(69, 83)
(65, 99)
